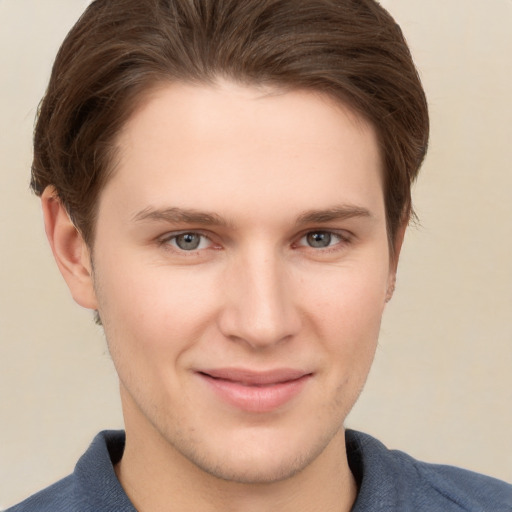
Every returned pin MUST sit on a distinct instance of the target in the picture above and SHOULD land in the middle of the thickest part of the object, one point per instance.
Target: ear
(394, 257)
(69, 249)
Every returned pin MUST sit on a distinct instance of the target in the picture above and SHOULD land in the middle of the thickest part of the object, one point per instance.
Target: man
(227, 184)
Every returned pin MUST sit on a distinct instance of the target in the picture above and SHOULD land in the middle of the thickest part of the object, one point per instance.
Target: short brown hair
(351, 50)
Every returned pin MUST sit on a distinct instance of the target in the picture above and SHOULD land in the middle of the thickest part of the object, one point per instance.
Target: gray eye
(188, 241)
(319, 239)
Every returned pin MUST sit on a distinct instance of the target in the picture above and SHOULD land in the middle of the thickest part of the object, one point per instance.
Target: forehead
(249, 145)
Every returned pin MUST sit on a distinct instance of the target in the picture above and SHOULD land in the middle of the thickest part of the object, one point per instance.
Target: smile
(256, 392)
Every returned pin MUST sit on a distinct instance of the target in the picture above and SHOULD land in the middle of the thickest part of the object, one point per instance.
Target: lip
(256, 392)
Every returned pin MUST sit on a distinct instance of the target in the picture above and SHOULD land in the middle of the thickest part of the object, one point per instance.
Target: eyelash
(167, 240)
(343, 239)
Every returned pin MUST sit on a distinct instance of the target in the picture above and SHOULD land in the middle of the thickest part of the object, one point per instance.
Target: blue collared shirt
(388, 481)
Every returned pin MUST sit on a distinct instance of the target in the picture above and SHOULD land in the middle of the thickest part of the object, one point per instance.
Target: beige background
(441, 387)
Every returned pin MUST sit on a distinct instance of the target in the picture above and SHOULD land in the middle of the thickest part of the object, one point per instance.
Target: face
(241, 267)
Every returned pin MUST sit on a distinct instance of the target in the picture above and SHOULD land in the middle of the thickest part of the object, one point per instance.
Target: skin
(283, 192)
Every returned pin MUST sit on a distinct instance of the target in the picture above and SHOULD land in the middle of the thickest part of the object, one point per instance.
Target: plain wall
(441, 386)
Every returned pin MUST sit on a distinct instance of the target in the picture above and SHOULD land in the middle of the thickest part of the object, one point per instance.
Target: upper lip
(255, 378)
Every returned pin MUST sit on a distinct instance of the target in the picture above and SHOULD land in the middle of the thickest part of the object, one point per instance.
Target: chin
(264, 460)
(262, 469)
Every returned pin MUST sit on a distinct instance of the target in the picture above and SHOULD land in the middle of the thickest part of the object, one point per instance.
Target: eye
(320, 239)
(189, 241)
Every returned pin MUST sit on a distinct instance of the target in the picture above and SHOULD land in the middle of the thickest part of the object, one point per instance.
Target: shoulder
(464, 489)
(93, 485)
(56, 498)
(405, 483)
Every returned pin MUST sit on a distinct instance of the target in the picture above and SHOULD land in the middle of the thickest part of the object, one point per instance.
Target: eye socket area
(187, 241)
(194, 241)
(322, 239)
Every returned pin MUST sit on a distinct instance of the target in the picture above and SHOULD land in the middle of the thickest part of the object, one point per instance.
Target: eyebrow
(341, 212)
(180, 215)
(191, 216)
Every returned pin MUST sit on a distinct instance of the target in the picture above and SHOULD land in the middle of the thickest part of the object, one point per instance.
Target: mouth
(255, 392)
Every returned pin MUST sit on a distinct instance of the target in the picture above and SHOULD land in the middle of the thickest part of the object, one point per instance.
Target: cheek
(153, 310)
(345, 308)
(345, 297)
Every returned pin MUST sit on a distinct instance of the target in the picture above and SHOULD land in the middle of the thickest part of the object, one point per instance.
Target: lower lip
(260, 399)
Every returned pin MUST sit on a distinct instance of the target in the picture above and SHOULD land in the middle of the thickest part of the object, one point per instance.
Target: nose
(260, 307)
